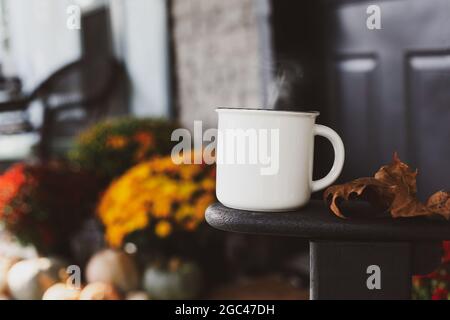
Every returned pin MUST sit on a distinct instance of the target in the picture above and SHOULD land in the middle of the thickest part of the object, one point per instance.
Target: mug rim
(260, 110)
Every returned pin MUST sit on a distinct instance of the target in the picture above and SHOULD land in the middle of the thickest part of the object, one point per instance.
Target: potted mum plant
(111, 147)
(159, 206)
(436, 285)
(45, 204)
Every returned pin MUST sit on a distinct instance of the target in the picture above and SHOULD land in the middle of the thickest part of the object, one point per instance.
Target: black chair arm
(17, 104)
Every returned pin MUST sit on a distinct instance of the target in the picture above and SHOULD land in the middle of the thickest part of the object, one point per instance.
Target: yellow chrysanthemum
(157, 190)
(209, 184)
(161, 208)
(202, 203)
(185, 211)
(163, 229)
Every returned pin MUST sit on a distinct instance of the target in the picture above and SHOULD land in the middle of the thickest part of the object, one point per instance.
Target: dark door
(390, 88)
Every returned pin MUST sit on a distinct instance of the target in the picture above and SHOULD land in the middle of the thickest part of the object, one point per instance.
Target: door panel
(429, 104)
(400, 100)
(355, 94)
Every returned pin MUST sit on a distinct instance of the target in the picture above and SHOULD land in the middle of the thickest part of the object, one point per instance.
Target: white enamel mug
(265, 158)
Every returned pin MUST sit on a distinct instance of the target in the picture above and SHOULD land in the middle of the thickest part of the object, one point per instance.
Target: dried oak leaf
(358, 188)
(394, 187)
(398, 173)
(439, 203)
(403, 188)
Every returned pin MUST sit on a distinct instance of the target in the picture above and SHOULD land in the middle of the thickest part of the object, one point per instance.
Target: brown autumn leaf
(394, 187)
(398, 173)
(357, 188)
(439, 203)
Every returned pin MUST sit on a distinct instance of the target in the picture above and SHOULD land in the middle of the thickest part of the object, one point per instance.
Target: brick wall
(219, 50)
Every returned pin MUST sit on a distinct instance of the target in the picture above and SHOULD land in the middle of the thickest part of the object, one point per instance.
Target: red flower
(45, 204)
(10, 184)
(446, 247)
(440, 294)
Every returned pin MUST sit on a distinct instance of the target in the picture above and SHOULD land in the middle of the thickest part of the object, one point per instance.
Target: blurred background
(91, 90)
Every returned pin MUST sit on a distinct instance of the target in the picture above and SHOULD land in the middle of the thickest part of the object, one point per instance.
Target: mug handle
(339, 156)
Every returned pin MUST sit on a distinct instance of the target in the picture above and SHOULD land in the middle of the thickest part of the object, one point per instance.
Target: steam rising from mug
(286, 78)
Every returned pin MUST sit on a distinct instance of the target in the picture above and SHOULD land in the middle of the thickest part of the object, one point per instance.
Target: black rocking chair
(72, 97)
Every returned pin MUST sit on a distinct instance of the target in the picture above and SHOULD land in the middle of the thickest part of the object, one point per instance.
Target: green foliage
(111, 147)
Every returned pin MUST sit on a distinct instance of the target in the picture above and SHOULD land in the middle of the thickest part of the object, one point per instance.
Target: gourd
(114, 267)
(29, 279)
(60, 291)
(180, 280)
(99, 291)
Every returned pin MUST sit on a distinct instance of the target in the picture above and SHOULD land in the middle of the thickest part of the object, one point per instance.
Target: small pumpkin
(114, 267)
(5, 265)
(99, 291)
(137, 295)
(29, 279)
(177, 281)
(61, 291)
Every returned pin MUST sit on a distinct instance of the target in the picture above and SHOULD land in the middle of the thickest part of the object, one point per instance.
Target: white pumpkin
(99, 291)
(5, 265)
(114, 267)
(137, 295)
(29, 279)
(60, 291)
